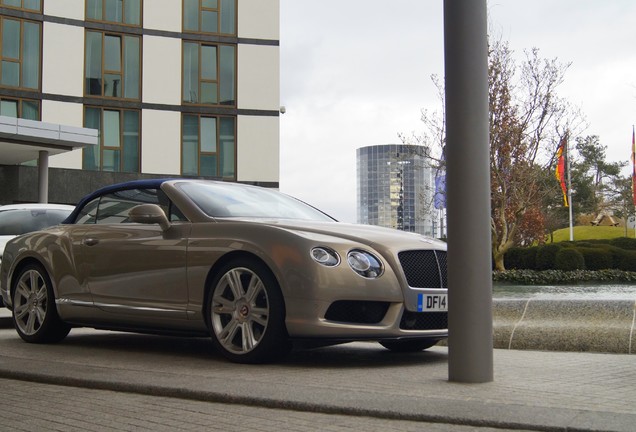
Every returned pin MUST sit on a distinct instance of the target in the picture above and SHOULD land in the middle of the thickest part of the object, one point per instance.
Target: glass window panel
(112, 85)
(90, 157)
(190, 139)
(190, 159)
(9, 108)
(132, 12)
(228, 16)
(10, 39)
(191, 15)
(93, 63)
(209, 93)
(227, 78)
(208, 62)
(111, 129)
(211, 4)
(131, 67)
(208, 165)
(31, 57)
(208, 134)
(110, 160)
(131, 142)
(10, 73)
(209, 22)
(226, 141)
(14, 3)
(113, 10)
(32, 4)
(190, 72)
(94, 9)
(112, 53)
(31, 110)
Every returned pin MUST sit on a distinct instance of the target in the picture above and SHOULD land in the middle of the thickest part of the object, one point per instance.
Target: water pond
(564, 292)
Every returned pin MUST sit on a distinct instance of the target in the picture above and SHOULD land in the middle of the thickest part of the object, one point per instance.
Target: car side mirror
(149, 214)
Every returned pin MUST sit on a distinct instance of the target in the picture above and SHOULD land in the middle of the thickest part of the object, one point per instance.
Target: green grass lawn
(591, 233)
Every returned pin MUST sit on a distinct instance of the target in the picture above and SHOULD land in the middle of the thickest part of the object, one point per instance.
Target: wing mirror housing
(149, 214)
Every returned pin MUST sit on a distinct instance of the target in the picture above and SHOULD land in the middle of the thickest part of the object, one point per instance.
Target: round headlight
(364, 263)
(325, 256)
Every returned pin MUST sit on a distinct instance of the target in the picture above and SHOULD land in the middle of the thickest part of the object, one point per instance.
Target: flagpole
(567, 158)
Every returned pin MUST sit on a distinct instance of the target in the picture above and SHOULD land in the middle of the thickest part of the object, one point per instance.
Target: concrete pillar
(43, 176)
(468, 192)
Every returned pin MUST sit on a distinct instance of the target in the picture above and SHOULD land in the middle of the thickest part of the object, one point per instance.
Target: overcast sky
(356, 73)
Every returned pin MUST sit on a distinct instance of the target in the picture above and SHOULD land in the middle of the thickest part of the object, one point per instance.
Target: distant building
(395, 187)
(174, 87)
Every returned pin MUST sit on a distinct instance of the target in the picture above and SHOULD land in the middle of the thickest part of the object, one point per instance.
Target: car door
(135, 270)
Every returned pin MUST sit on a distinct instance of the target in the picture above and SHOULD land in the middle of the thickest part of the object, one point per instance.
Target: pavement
(166, 383)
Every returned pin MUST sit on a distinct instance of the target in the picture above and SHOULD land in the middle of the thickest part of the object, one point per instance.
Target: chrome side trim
(71, 302)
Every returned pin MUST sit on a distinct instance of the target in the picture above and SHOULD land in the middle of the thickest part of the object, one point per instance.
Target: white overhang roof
(21, 140)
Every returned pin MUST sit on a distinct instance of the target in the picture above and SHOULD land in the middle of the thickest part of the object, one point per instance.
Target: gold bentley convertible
(258, 271)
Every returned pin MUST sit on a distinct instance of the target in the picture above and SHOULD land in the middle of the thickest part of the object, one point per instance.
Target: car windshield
(16, 222)
(235, 200)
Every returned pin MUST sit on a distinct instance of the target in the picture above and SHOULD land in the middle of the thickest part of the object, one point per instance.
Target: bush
(515, 258)
(568, 259)
(596, 258)
(546, 256)
(624, 243)
(628, 261)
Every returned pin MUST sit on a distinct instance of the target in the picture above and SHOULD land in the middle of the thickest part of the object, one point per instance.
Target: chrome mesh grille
(424, 268)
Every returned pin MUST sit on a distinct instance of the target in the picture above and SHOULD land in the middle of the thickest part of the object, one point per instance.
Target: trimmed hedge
(568, 259)
(618, 253)
(546, 256)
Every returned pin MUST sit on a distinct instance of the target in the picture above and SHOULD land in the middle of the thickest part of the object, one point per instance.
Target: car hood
(369, 235)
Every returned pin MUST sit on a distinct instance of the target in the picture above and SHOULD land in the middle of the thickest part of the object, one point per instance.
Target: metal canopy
(22, 140)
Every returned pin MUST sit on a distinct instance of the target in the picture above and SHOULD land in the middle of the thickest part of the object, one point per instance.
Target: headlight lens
(365, 263)
(325, 256)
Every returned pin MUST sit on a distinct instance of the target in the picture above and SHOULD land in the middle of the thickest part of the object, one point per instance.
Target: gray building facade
(395, 187)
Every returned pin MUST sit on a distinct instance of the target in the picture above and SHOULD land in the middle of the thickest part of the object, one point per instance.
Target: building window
(20, 108)
(112, 65)
(20, 53)
(119, 147)
(208, 146)
(116, 11)
(209, 16)
(209, 74)
(33, 5)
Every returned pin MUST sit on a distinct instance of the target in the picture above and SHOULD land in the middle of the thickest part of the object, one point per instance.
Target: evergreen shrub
(515, 258)
(628, 261)
(624, 243)
(596, 258)
(568, 259)
(546, 256)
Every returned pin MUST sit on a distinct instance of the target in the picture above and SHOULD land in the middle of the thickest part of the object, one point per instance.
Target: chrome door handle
(91, 241)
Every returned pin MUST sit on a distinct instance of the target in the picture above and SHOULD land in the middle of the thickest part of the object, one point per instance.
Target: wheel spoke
(223, 306)
(23, 289)
(30, 324)
(21, 310)
(248, 339)
(233, 279)
(40, 314)
(260, 316)
(229, 332)
(254, 289)
(35, 281)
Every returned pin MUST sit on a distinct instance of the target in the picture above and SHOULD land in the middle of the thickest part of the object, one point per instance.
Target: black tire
(408, 345)
(34, 314)
(246, 313)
